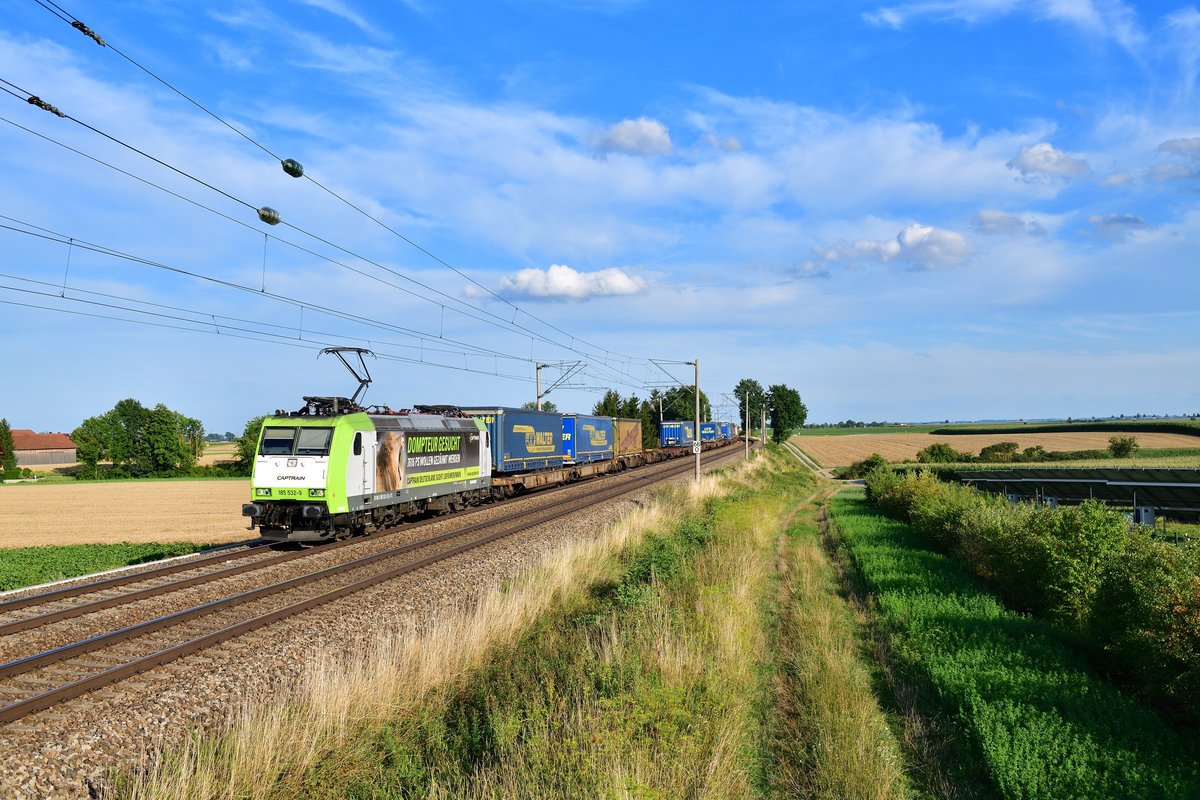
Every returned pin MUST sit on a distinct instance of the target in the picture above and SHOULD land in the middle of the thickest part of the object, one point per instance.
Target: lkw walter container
(709, 431)
(522, 440)
(586, 438)
(726, 429)
(677, 433)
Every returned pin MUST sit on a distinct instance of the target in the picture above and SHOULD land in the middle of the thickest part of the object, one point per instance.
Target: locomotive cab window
(278, 441)
(314, 441)
(358, 444)
(296, 441)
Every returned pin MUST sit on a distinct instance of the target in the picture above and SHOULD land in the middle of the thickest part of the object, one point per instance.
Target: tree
(8, 466)
(141, 442)
(1001, 452)
(941, 453)
(546, 406)
(748, 387)
(610, 405)
(679, 403)
(787, 412)
(247, 446)
(1123, 446)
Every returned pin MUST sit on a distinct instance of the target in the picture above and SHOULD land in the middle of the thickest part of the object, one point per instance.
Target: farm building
(40, 449)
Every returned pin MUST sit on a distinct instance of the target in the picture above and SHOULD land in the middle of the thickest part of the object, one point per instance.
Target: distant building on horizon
(42, 449)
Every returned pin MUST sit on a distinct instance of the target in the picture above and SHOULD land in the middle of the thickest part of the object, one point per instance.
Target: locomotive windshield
(286, 442)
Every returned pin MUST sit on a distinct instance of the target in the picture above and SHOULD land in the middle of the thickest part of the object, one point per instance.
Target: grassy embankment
(696, 649)
(29, 566)
(1038, 723)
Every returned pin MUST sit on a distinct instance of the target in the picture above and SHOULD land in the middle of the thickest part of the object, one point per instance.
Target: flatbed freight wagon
(586, 438)
(521, 440)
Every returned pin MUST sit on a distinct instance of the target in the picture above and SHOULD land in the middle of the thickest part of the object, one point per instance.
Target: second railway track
(42, 676)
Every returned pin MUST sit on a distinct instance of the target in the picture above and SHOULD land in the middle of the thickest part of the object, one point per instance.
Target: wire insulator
(34, 100)
(293, 167)
(88, 32)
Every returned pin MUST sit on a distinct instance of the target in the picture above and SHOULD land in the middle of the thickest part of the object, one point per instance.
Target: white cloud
(1111, 19)
(1044, 159)
(1171, 172)
(1122, 178)
(562, 282)
(729, 144)
(997, 223)
(637, 137)
(1117, 226)
(928, 248)
(1189, 148)
(922, 246)
(340, 9)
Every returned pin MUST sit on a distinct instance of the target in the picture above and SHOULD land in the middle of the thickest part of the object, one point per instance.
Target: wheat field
(104, 513)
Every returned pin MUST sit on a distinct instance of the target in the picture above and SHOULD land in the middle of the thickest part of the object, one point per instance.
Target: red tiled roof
(28, 440)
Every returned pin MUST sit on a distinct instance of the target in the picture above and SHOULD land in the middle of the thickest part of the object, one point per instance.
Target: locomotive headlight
(262, 492)
(316, 492)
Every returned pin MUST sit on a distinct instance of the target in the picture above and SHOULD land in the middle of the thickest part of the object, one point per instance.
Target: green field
(29, 566)
(1038, 722)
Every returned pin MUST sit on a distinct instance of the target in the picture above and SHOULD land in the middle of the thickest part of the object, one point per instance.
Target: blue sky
(953, 209)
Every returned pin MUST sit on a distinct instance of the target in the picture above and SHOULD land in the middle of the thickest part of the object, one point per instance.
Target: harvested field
(106, 513)
(841, 451)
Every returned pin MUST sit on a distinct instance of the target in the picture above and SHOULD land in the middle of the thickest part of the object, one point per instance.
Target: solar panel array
(1163, 489)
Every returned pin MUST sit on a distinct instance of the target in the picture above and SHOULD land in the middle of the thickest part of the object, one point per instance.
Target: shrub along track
(390, 555)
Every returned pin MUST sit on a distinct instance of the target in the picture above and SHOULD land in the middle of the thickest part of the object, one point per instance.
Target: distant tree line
(1011, 453)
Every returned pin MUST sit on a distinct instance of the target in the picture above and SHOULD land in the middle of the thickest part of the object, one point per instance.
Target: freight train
(335, 469)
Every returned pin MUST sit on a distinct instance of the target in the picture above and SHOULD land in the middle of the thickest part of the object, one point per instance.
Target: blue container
(726, 430)
(677, 434)
(586, 438)
(522, 440)
(709, 431)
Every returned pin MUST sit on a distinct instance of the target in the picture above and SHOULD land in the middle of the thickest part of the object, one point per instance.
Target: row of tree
(140, 442)
(785, 410)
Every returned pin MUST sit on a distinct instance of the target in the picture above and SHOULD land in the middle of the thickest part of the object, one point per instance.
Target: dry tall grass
(401, 670)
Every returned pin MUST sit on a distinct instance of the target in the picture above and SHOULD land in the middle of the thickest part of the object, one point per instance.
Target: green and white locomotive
(333, 469)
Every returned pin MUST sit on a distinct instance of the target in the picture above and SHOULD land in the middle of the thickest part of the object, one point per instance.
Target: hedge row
(1186, 427)
(1134, 600)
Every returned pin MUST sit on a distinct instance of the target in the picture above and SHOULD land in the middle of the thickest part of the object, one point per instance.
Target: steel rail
(31, 622)
(51, 697)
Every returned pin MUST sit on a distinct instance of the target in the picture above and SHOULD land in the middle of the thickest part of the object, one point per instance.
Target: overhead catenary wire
(64, 15)
(495, 320)
(53, 236)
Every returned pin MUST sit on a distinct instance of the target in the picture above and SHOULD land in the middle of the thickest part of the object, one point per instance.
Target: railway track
(39, 677)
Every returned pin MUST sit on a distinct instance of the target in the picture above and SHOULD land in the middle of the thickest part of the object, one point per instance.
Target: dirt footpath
(103, 513)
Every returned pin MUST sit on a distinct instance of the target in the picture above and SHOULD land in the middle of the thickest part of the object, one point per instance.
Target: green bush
(1146, 612)
(1122, 446)
(941, 453)
(1136, 601)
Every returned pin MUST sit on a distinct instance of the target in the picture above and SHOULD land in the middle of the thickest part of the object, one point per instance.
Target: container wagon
(586, 438)
(677, 433)
(628, 437)
(521, 440)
